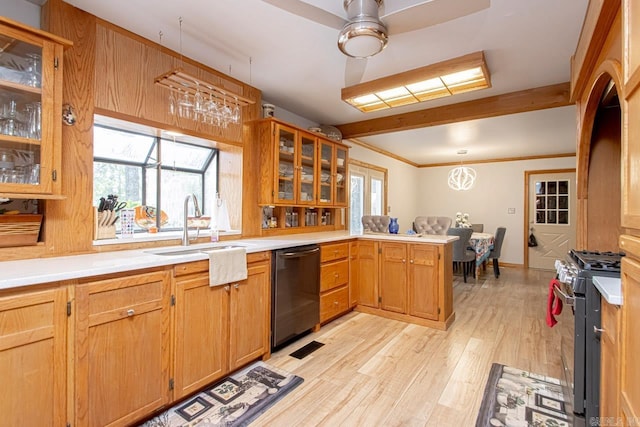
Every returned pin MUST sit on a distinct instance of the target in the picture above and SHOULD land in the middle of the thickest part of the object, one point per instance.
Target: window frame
(158, 164)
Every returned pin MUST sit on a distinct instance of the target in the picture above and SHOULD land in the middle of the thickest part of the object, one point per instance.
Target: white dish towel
(227, 266)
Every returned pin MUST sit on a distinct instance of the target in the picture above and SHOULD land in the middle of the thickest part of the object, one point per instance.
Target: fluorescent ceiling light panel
(450, 77)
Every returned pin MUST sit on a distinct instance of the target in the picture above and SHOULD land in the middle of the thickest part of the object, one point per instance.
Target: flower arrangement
(462, 220)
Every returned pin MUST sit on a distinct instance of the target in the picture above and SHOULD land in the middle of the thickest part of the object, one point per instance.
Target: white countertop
(610, 288)
(45, 270)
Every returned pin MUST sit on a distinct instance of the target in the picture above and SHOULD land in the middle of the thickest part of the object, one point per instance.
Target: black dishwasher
(295, 293)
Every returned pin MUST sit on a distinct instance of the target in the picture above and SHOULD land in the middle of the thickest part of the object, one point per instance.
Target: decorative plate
(145, 217)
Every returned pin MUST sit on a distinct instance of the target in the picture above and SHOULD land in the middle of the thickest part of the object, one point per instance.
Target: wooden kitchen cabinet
(300, 172)
(250, 312)
(201, 325)
(393, 277)
(629, 342)
(219, 329)
(423, 299)
(609, 366)
(365, 269)
(122, 347)
(33, 358)
(353, 274)
(332, 190)
(411, 282)
(31, 94)
(334, 280)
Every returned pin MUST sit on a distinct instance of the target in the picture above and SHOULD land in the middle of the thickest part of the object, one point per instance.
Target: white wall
(21, 11)
(402, 197)
(498, 187)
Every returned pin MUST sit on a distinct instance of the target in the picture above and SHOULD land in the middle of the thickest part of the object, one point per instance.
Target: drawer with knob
(334, 274)
(333, 303)
(334, 251)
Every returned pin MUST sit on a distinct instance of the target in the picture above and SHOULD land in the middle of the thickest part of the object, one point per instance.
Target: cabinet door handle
(404, 260)
(131, 312)
(411, 261)
(597, 330)
(227, 288)
(236, 286)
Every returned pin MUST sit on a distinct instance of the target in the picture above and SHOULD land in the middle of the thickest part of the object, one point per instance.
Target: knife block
(104, 231)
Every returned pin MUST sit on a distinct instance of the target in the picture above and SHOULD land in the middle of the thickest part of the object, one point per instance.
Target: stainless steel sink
(187, 251)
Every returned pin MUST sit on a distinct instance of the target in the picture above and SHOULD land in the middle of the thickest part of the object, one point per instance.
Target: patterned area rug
(513, 397)
(235, 401)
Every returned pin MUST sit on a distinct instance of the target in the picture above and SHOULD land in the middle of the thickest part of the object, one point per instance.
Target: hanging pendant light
(461, 178)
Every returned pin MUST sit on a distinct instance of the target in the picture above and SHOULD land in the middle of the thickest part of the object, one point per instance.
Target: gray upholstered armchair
(431, 224)
(375, 223)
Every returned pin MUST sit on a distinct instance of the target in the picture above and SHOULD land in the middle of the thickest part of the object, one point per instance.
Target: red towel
(554, 304)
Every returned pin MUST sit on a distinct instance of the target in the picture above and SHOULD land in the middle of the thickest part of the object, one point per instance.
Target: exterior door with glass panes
(27, 78)
(327, 174)
(552, 217)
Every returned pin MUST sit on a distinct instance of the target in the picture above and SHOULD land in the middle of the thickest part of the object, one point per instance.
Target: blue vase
(393, 226)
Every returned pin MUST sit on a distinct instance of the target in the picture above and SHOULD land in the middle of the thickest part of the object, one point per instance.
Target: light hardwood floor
(378, 372)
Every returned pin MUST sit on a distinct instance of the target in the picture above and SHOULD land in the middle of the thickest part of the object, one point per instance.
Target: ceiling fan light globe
(363, 39)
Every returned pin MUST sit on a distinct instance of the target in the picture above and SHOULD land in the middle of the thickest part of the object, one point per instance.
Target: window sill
(154, 237)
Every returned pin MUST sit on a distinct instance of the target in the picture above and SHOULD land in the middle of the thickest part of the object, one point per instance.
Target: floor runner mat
(234, 401)
(513, 397)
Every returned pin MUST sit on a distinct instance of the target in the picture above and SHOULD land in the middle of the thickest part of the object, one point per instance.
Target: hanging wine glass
(198, 103)
(236, 112)
(186, 105)
(172, 101)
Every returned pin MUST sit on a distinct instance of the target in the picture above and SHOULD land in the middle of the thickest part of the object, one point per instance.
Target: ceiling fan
(369, 23)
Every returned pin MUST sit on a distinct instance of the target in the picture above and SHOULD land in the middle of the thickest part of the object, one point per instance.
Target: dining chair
(461, 254)
(477, 228)
(431, 224)
(375, 223)
(497, 247)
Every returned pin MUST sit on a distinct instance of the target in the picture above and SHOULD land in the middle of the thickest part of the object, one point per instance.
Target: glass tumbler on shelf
(34, 76)
(34, 120)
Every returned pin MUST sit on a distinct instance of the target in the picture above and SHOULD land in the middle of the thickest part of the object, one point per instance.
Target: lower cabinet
(201, 325)
(123, 339)
(609, 366)
(33, 358)
(424, 286)
(405, 281)
(393, 277)
(365, 273)
(218, 329)
(334, 280)
(629, 342)
(250, 312)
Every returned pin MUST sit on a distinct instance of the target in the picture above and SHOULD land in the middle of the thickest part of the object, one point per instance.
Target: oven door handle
(566, 299)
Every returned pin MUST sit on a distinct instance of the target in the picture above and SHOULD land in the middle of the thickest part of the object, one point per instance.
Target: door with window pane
(552, 218)
(367, 195)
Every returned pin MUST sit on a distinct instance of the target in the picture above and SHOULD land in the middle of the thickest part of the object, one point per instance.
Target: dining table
(481, 243)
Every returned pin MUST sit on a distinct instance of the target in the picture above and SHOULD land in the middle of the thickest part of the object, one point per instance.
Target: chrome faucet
(196, 213)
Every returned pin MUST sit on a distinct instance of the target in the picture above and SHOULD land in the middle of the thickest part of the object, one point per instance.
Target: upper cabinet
(299, 168)
(333, 174)
(296, 165)
(30, 111)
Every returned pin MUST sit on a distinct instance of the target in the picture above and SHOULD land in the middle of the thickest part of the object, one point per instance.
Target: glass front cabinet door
(327, 173)
(307, 169)
(341, 177)
(30, 110)
(286, 163)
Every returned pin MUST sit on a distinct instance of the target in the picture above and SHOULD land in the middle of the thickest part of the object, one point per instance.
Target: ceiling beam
(510, 103)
